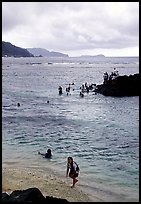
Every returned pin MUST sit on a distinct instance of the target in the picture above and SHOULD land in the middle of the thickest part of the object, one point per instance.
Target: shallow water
(101, 133)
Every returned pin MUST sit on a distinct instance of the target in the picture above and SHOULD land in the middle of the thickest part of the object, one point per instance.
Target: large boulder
(120, 86)
(5, 197)
(30, 195)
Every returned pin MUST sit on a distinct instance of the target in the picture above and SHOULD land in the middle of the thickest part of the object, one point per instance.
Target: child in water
(48, 154)
(73, 170)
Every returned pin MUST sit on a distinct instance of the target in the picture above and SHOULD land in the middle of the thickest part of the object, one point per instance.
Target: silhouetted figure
(68, 89)
(81, 94)
(48, 154)
(82, 88)
(18, 104)
(60, 90)
(106, 77)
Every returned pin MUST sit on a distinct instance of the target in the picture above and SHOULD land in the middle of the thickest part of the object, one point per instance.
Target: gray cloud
(68, 26)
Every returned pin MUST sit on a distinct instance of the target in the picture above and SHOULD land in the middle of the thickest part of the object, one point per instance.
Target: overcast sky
(74, 28)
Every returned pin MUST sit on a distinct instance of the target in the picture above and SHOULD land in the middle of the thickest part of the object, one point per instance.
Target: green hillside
(9, 50)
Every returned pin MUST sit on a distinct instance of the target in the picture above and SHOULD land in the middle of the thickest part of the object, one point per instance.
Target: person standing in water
(73, 170)
(60, 90)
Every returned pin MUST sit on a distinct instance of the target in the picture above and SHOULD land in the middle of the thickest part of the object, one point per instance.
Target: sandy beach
(49, 184)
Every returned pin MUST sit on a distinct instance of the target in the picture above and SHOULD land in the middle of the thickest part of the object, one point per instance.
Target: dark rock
(5, 197)
(53, 199)
(120, 86)
(30, 195)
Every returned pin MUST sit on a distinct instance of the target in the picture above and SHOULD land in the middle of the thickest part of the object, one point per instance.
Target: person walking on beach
(73, 170)
(48, 154)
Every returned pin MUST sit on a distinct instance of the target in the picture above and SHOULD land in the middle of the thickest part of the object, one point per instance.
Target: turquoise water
(100, 133)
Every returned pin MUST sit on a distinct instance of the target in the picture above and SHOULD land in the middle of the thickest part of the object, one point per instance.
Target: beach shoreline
(48, 183)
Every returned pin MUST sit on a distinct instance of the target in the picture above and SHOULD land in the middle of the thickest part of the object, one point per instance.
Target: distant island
(38, 52)
(9, 50)
(100, 56)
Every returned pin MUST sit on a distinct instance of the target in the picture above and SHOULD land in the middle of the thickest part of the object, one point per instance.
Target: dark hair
(49, 151)
(70, 158)
(71, 162)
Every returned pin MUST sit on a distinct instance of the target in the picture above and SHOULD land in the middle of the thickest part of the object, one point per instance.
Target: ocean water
(101, 133)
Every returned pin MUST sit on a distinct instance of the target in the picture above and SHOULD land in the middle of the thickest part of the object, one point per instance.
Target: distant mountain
(9, 50)
(100, 55)
(45, 53)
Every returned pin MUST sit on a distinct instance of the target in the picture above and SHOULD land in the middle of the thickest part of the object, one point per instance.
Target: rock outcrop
(30, 195)
(120, 86)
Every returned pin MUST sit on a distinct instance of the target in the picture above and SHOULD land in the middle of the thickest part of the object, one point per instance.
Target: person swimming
(48, 154)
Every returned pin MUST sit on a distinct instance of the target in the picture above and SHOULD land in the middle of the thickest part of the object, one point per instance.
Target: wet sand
(48, 183)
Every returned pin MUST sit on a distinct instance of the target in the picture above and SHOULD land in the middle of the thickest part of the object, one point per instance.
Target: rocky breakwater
(30, 195)
(120, 86)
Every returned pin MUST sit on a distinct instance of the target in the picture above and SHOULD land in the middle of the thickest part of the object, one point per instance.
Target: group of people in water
(84, 88)
(60, 89)
(72, 166)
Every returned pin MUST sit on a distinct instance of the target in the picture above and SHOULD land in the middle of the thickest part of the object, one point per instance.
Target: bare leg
(74, 181)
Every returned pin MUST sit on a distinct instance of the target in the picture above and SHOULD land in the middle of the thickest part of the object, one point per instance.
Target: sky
(73, 28)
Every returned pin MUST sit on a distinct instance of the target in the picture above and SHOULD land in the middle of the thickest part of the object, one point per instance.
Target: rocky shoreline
(120, 86)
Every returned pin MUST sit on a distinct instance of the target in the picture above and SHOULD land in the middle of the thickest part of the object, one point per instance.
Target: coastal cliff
(9, 50)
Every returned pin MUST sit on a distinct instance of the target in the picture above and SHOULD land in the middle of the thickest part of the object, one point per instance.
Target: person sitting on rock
(106, 77)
